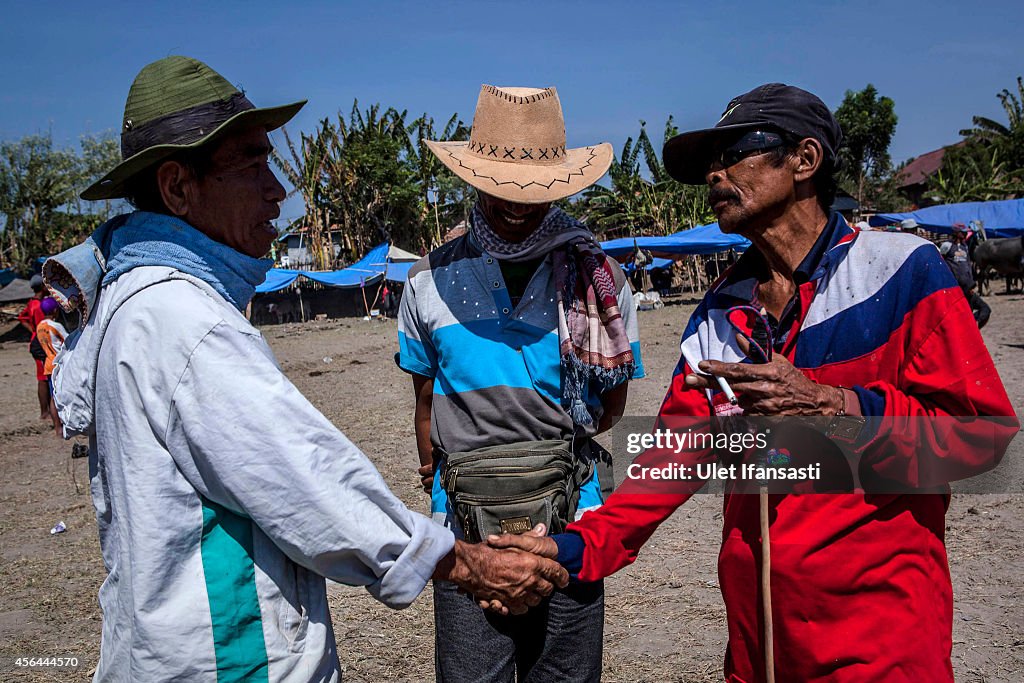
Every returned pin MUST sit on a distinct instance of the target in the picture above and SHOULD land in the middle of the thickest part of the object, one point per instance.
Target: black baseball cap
(775, 106)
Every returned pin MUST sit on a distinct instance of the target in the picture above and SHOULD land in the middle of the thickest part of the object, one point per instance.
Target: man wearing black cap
(854, 325)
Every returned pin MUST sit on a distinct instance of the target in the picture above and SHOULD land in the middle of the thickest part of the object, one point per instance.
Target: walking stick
(762, 344)
(766, 587)
(761, 336)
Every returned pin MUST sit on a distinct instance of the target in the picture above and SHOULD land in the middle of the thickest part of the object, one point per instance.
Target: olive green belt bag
(512, 488)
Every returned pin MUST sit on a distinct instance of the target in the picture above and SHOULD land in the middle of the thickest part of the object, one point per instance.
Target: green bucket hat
(179, 103)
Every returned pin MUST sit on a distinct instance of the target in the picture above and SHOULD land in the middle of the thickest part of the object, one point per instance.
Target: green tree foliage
(445, 200)
(868, 121)
(974, 172)
(371, 178)
(1007, 138)
(39, 187)
(989, 165)
(636, 203)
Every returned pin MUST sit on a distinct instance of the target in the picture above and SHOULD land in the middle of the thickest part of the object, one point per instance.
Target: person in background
(51, 335)
(958, 258)
(519, 332)
(30, 318)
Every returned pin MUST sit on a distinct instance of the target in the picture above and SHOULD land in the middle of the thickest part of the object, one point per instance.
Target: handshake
(508, 574)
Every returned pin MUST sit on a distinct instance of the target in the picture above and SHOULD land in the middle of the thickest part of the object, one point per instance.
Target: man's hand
(423, 388)
(426, 473)
(503, 580)
(534, 541)
(775, 388)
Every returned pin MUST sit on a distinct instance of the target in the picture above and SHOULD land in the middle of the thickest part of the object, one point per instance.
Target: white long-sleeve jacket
(223, 496)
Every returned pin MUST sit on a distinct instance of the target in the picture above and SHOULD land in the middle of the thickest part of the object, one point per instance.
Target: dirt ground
(665, 619)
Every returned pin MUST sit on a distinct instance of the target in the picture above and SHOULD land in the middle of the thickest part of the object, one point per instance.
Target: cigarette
(726, 389)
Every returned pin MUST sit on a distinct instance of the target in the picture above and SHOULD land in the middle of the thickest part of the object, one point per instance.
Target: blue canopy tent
(703, 239)
(655, 263)
(277, 278)
(374, 266)
(1000, 219)
(365, 271)
(624, 245)
(399, 272)
(396, 264)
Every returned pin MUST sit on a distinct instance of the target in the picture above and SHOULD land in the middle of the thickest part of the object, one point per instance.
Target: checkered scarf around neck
(592, 337)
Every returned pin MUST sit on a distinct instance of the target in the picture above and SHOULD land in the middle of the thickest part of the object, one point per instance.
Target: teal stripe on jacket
(231, 590)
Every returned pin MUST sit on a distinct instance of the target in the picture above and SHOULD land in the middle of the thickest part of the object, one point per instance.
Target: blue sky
(67, 66)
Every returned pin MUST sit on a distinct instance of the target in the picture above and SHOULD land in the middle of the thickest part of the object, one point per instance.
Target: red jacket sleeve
(613, 534)
(948, 416)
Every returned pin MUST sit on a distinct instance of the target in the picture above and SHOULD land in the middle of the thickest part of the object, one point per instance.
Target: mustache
(716, 195)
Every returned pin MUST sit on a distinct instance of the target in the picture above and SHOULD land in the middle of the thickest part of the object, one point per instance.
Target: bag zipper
(498, 500)
(452, 474)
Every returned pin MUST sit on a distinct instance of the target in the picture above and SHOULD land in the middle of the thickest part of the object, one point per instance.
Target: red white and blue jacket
(860, 582)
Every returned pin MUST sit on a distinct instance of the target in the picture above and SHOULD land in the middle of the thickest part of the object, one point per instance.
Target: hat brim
(527, 183)
(112, 185)
(687, 156)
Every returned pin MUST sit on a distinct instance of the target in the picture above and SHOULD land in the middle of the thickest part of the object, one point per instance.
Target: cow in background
(998, 256)
(274, 310)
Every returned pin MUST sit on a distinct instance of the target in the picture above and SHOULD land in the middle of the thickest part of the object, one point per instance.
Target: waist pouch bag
(512, 488)
(36, 349)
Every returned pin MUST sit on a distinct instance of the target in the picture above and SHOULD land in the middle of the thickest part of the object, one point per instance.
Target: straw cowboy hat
(179, 103)
(516, 150)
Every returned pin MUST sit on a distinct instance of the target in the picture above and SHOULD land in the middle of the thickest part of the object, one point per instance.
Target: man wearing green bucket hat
(218, 523)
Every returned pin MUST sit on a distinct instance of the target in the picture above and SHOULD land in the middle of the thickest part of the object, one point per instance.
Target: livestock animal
(998, 256)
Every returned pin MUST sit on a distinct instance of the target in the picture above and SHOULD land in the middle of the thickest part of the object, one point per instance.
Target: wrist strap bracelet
(843, 427)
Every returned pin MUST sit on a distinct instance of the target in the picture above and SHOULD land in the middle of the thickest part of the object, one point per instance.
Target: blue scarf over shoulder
(150, 239)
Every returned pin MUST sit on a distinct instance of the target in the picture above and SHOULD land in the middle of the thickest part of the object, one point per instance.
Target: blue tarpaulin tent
(399, 272)
(703, 239)
(624, 245)
(653, 265)
(7, 275)
(277, 278)
(367, 270)
(1001, 219)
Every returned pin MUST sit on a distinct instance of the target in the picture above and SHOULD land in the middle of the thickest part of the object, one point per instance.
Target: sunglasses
(749, 144)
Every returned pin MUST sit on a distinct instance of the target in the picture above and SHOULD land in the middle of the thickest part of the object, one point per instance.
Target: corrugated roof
(924, 166)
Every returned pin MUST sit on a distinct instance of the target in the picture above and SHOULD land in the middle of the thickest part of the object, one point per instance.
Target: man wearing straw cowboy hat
(521, 337)
(218, 522)
(847, 324)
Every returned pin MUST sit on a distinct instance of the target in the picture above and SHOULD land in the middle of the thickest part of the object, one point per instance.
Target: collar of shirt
(741, 281)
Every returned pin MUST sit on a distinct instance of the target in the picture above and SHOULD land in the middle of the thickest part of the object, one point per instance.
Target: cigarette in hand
(692, 362)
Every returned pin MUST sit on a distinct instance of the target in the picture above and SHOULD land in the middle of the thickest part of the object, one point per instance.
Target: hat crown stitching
(173, 84)
(513, 125)
(517, 148)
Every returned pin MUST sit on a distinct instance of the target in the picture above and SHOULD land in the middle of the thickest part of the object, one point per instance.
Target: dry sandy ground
(665, 618)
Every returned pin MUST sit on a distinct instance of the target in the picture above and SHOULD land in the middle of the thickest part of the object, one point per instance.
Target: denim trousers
(559, 640)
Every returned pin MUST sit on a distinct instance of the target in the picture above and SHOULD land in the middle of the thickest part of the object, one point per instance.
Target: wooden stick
(766, 589)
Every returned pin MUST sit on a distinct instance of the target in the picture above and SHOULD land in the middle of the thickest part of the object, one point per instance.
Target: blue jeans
(559, 640)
